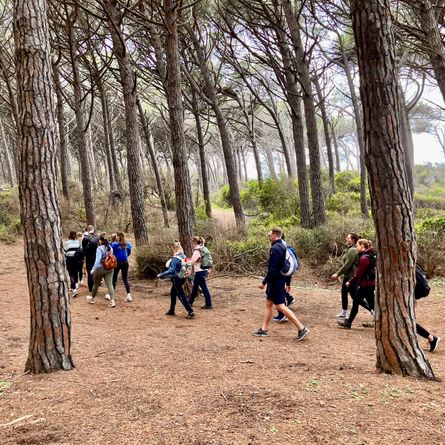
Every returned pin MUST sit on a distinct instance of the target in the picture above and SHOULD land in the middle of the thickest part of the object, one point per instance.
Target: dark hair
(121, 239)
(277, 232)
(354, 236)
(103, 240)
(73, 234)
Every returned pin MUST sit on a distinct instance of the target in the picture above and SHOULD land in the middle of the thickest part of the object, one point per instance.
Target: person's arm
(274, 263)
(171, 271)
(98, 261)
(361, 268)
(350, 257)
(129, 246)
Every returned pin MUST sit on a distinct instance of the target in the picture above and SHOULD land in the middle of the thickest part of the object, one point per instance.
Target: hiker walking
(200, 272)
(173, 272)
(90, 243)
(122, 250)
(364, 277)
(73, 250)
(99, 272)
(275, 291)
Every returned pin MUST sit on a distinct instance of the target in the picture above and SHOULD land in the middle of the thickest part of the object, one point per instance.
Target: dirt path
(144, 378)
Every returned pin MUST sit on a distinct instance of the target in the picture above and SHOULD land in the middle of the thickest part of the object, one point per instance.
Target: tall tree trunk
(202, 156)
(327, 137)
(359, 127)
(407, 141)
(50, 339)
(154, 164)
(318, 206)
(185, 212)
(397, 346)
(63, 150)
(336, 150)
(80, 136)
(9, 171)
(210, 90)
(128, 81)
(270, 162)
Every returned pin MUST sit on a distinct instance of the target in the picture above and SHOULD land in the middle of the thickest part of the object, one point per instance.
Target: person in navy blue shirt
(122, 250)
(276, 283)
(177, 291)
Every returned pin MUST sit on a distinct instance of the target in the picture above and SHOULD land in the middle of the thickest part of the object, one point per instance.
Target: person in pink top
(200, 275)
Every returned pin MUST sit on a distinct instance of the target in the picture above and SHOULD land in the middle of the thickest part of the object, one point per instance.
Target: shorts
(276, 292)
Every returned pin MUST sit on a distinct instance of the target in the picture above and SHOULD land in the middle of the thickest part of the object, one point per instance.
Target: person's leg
(90, 277)
(423, 332)
(97, 279)
(205, 289)
(181, 295)
(72, 271)
(108, 278)
(80, 271)
(354, 310)
(195, 288)
(344, 297)
(173, 295)
(124, 268)
(116, 274)
(267, 315)
(290, 316)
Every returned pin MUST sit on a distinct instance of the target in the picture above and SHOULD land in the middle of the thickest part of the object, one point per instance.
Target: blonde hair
(365, 243)
(199, 240)
(177, 247)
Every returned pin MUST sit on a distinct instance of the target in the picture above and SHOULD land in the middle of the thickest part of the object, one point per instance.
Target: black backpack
(370, 272)
(91, 245)
(422, 288)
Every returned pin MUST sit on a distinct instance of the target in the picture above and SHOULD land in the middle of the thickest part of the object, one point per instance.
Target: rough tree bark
(128, 82)
(50, 339)
(398, 350)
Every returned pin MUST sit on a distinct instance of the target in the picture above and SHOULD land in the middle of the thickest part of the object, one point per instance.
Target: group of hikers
(104, 259)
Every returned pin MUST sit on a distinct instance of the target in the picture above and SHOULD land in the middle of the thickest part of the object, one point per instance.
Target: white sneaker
(111, 303)
(128, 299)
(342, 314)
(74, 293)
(91, 299)
(107, 297)
(77, 285)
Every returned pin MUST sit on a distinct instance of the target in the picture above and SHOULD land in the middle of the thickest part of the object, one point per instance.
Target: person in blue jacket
(122, 250)
(174, 267)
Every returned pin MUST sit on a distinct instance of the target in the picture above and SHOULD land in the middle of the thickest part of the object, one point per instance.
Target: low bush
(10, 224)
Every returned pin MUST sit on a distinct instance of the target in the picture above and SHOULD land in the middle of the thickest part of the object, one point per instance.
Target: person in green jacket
(349, 261)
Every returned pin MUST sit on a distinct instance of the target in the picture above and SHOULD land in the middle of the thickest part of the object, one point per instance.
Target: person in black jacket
(90, 242)
(276, 283)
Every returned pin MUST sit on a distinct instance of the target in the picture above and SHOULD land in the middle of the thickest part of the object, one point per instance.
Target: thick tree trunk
(202, 157)
(154, 164)
(302, 64)
(128, 81)
(397, 346)
(407, 141)
(185, 211)
(63, 150)
(50, 340)
(235, 197)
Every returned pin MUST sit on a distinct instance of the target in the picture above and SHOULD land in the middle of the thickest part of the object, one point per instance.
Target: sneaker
(280, 318)
(260, 333)
(291, 301)
(91, 299)
(171, 313)
(434, 343)
(343, 314)
(368, 324)
(190, 315)
(205, 306)
(74, 293)
(77, 285)
(301, 334)
(107, 297)
(111, 303)
(344, 324)
(128, 299)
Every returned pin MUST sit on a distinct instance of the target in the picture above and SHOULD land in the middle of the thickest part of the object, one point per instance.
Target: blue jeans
(199, 281)
(178, 292)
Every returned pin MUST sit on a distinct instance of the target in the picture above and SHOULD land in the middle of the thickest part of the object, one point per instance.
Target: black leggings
(71, 265)
(422, 331)
(363, 293)
(123, 266)
(177, 291)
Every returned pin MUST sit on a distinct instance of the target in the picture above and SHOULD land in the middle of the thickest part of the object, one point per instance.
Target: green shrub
(344, 203)
(429, 201)
(10, 225)
(348, 181)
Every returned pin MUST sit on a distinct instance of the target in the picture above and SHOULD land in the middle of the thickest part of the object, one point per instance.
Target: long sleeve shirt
(196, 259)
(120, 253)
(277, 257)
(350, 261)
(100, 255)
(174, 266)
(361, 277)
(70, 247)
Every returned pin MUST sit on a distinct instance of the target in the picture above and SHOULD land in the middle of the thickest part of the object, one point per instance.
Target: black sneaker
(280, 318)
(260, 333)
(434, 343)
(344, 324)
(291, 301)
(302, 334)
(190, 315)
(169, 313)
(205, 306)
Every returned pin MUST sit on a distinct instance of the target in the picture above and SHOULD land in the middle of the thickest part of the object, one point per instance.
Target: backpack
(186, 268)
(109, 260)
(290, 265)
(422, 288)
(78, 254)
(92, 244)
(206, 258)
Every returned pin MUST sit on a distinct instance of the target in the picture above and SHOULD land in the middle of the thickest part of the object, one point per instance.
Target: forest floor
(144, 378)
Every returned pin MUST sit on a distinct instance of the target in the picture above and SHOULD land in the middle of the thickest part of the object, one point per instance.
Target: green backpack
(206, 258)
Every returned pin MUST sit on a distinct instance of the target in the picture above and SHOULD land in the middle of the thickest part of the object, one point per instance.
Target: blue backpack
(290, 265)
